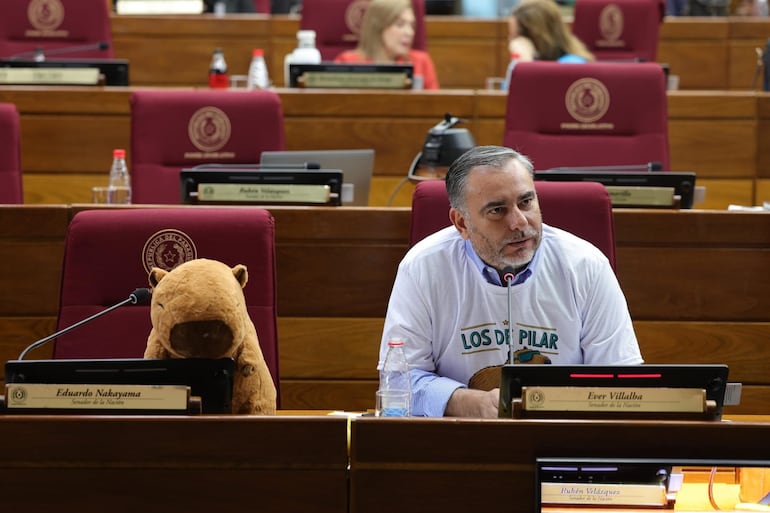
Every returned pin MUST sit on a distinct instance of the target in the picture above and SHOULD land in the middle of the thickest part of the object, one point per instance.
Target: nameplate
(36, 396)
(259, 193)
(614, 399)
(50, 76)
(641, 196)
(356, 80)
(603, 494)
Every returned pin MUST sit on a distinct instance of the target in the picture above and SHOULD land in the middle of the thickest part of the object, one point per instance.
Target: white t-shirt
(571, 310)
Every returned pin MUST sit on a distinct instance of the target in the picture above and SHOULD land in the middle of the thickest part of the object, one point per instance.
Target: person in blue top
(536, 31)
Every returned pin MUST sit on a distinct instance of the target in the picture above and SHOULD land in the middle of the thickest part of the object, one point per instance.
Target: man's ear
(458, 219)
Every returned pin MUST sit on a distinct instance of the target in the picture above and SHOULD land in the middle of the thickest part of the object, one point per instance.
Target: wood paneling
(159, 464)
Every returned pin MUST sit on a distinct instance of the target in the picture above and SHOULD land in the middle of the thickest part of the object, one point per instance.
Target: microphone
(138, 296)
(509, 273)
(39, 54)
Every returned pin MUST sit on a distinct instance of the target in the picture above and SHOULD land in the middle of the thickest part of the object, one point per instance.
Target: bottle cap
(257, 52)
(306, 34)
(119, 154)
(395, 343)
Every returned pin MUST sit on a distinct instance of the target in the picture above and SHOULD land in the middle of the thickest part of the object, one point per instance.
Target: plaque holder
(632, 411)
(190, 405)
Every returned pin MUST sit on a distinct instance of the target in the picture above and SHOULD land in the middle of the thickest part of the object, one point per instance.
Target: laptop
(356, 166)
(209, 379)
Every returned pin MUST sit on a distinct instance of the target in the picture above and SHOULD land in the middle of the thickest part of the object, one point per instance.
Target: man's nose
(516, 219)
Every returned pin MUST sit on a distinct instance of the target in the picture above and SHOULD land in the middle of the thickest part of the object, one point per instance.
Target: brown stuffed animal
(199, 311)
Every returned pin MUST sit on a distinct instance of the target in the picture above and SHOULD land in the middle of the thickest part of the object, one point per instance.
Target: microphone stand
(138, 296)
(508, 276)
(39, 54)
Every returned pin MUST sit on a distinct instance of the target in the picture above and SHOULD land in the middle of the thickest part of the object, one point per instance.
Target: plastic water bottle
(395, 388)
(119, 188)
(509, 71)
(218, 71)
(258, 77)
(305, 53)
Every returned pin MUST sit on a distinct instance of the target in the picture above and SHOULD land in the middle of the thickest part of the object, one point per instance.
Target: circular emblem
(535, 397)
(587, 100)
(611, 22)
(19, 394)
(209, 129)
(167, 249)
(45, 15)
(354, 15)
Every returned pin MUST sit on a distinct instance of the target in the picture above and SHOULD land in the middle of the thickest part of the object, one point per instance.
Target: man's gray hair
(493, 156)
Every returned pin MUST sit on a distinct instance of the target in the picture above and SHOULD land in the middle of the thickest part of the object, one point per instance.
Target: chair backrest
(26, 25)
(109, 253)
(174, 129)
(262, 6)
(337, 24)
(581, 208)
(593, 114)
(10, 155)
(619, 29)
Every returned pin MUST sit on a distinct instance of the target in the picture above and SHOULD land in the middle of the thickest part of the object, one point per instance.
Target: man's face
(502, 216)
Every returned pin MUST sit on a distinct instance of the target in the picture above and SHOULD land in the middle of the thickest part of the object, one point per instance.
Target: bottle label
(218, 80)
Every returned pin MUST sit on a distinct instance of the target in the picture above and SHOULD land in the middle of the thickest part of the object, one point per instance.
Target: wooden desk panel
(695, 282)
(696, 49)
(162, 464)
(68, 134)
(453, 465)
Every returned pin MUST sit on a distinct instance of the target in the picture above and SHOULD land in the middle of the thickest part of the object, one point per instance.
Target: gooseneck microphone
(39, 54)
(137, 297)
(509, 273)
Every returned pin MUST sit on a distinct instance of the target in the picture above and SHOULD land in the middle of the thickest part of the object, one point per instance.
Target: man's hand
(465, 402)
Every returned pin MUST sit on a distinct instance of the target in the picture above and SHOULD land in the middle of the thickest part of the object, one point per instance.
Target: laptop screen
(356, 166)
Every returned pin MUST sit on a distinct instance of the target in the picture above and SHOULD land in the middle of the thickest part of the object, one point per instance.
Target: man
(449, 300)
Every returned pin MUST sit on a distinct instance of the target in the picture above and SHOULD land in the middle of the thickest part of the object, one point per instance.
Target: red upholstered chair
(619, 29)
(262, 6)
(109, 253)
(593, 114)
(174, 129)
(26, 25)
(581, 208)
(10, 155)
(337, 24)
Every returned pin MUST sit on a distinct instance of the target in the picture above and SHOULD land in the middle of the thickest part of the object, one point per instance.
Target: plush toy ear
(240, 273)
(156, 275)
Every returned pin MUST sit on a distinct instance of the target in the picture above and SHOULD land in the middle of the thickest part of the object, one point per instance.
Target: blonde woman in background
(536, 31)
(387, 35)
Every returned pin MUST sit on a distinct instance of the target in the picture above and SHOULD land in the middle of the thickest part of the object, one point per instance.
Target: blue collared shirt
(490, 273)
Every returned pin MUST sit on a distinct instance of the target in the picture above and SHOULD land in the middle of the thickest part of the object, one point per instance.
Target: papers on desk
(764, 207)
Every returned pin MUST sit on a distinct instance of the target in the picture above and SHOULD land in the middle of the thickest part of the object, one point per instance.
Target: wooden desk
(453, 465)
(68, 135)
(164, 464)
(706, 53)
(696, 284)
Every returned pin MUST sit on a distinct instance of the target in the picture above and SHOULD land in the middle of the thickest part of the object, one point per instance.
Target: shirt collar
(491, 275)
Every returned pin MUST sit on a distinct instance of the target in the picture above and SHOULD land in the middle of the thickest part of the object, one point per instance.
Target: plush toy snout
(202, 339)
